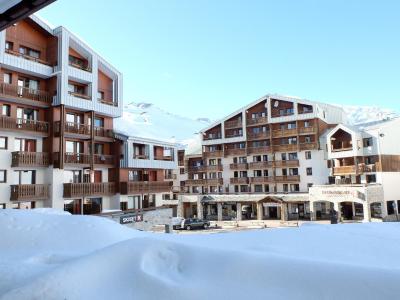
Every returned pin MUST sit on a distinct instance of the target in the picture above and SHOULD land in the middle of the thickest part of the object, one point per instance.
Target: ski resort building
(58, 145)
(285, 158)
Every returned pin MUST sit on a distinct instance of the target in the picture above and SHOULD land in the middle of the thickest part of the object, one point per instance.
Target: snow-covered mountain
(363, 114)
(147, 120)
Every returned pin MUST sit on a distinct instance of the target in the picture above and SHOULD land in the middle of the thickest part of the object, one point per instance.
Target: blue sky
(207, 58)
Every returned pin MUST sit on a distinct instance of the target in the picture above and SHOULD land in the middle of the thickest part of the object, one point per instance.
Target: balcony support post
(61, 141)
(92, 140)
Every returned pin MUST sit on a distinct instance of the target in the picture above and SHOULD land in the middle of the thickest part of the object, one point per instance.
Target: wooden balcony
(85, 189)
(195, 181)
(29, 159)
(84, 67)
(79, 95)
(285, 147)
(346, 170)
(239, 180)
(307, 130)
(29, 192)
(235, 151)
(107, 102)
(308, 146)
(258, 150)
(257, 121)
(260, 165)
(204, 168)
(22, 94)
(144, 187)
(258, 135)
(288, 178)
(233, 135)
(233, 124)
(262, 179)
(82, 159)
(238, 166)
(102, 159)
(101, 133)
(18, 124)
(212, 137)
(215, 181)
(286, 163)
(28, 57)
(284, 132)
(218, 153)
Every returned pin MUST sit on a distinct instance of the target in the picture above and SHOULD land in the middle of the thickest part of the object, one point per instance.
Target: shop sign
(130, 218)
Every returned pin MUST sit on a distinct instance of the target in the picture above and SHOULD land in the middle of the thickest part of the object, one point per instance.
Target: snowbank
(46, 256)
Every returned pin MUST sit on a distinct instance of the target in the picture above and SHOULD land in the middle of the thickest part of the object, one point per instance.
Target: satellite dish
(276, 103)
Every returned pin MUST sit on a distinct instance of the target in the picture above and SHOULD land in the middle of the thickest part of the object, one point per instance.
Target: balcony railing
(257, 121)
(307, 130)
(162, 157)
(73, 128)
(103, 133)
(239, 180)
(233, 124)
(108, 102)
(258, 150)
(195, 181)
(215, 181)
(308, 146)
(29, 159)
(238, 166)
(235, 151)
(233, 135)
(24, 125)
(217, 153)
(346, 170)
(286, 163)
(28, 57)
(258, 135)
(212, 137)
(80, 66)
(79, 95)
(261, 179)
(141, 187)
(284, 132)
(29, 192)
(288, 178)
(285, 147)
(85, 189)
(85, 159)
(260, 165)
(19, 92)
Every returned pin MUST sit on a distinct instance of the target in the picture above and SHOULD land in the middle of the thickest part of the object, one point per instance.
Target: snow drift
(48, 256)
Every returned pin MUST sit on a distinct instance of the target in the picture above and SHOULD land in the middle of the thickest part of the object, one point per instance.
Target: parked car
(192, 223)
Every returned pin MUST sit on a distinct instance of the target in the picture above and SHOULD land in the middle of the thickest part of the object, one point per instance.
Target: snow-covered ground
(59, 256)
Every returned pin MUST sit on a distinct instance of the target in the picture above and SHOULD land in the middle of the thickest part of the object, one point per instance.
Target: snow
(49, 256)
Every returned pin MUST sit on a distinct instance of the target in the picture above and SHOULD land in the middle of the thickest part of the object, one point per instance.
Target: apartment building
(364, 162)
(270, 146)
(58, 100)
(146, 173)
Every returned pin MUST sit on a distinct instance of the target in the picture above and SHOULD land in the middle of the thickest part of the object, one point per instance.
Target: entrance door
(273, 212)
(347, 210)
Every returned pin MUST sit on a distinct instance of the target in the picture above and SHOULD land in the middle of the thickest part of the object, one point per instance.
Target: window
(309, 171)
(292, 141)
(367, 142)
(266, 188)
(100, 95)
(3, 176)
(308, 154)
(291, 125)
(28, 51)
(257, 173)
(9, 45)
(371, 178)
(244, 189)
(295, 188)
(2, 206)
(309, 185)
(7, 78)
(258, 188)
(6, 110)
(307, 139)
(236, 189)
(283, 156)
(293, 171)
(285, 187)
(390, 207)
(293, 156)
(98, 122)
(3, 142)
(98, 149)
(182, 171)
